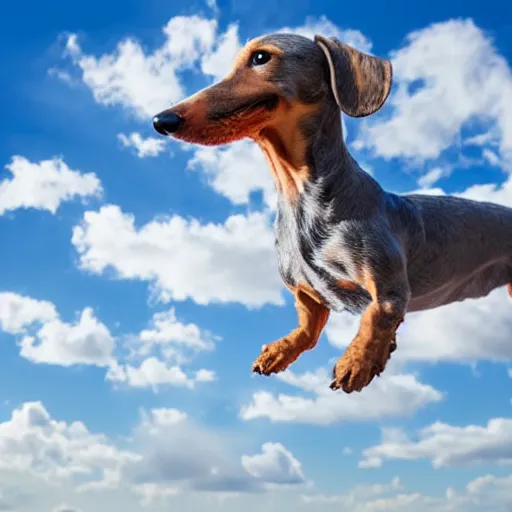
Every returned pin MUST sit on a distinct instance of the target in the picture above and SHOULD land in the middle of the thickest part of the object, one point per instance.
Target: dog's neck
(308, 153)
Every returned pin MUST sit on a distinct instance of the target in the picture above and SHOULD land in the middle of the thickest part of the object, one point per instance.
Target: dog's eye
(260, 57)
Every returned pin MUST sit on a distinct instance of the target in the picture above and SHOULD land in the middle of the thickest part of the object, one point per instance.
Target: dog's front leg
(312, 316)
(370, 350)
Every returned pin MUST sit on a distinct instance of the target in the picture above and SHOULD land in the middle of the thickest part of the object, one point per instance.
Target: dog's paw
(357, 368)
(274, 358)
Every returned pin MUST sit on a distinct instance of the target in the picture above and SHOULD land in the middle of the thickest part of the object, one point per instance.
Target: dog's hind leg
(312, 316)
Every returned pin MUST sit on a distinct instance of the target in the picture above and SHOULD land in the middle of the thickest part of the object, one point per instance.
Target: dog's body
(343, 243)
(453, 248)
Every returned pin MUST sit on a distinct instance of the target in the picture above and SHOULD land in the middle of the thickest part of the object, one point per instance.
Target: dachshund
(342, 242)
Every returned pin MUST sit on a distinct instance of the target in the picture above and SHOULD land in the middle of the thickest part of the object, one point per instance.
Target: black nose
(167, 122)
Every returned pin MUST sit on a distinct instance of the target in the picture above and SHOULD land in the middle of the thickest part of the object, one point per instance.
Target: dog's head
(276, 81)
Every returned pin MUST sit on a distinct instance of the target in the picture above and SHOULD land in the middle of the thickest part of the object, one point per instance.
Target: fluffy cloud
(152, 493)
(489, 493)
(88, 341)
(18, 312)
(388, 396)
(169, 454)
(44, 185)
(183, 259)
(162, 417)
(218, 63)
(322, 25)
(32, 442)
(446, 76)
(448, 446)
(153, 373)
(178, 454)
(236, 171)
(47, 339)
(151, 359)
(500, 193)
(144, 147)
(145, 84)
(356, 495)
(428, 179)
(155, 356)
(165, 330)
(274, 465)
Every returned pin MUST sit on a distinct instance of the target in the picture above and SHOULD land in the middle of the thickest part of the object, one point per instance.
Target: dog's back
(459, 248)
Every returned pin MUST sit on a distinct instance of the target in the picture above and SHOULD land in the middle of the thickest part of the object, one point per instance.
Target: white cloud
(32, 442)
(236, 171)
(153, 373)
(144, 147)
(165, 329)
(155, 356)
(480, 140)
(145, 84)
(162, 417)
(18, 312)
(218, 63)
(179, 454)
(152, 493)
(461, 78)
(449, 446)
(88, 341)
(388, 396)
(171, 340)
(459, 332)
(47, 339)
(493, 192)
(44, 185)
(182, 259)
(491, 157)
(356, 495)
(169, 455)
(431, 177)
(275, 465)
(325, 27)
(490, 493)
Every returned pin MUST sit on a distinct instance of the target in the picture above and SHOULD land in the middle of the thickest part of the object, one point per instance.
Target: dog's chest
(289, 258)
(299, 245)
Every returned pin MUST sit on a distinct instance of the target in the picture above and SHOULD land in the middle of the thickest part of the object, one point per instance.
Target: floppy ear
(360, 82)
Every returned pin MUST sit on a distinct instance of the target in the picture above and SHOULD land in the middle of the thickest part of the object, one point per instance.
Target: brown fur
(347, 285)
(312, 317)
(284, 145)
(368, 353)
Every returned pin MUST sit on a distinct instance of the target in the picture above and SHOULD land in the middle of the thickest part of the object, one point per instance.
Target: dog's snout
(166, 123)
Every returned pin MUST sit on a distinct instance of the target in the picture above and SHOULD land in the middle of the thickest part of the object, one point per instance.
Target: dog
(342, 242)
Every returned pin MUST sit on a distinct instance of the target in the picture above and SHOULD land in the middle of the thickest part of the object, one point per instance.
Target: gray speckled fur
(423, 251)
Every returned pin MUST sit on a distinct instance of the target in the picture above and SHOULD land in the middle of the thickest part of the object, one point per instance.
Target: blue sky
(139, 278)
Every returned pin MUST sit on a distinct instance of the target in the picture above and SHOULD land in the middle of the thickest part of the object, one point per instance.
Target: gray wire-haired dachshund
(342, 242)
